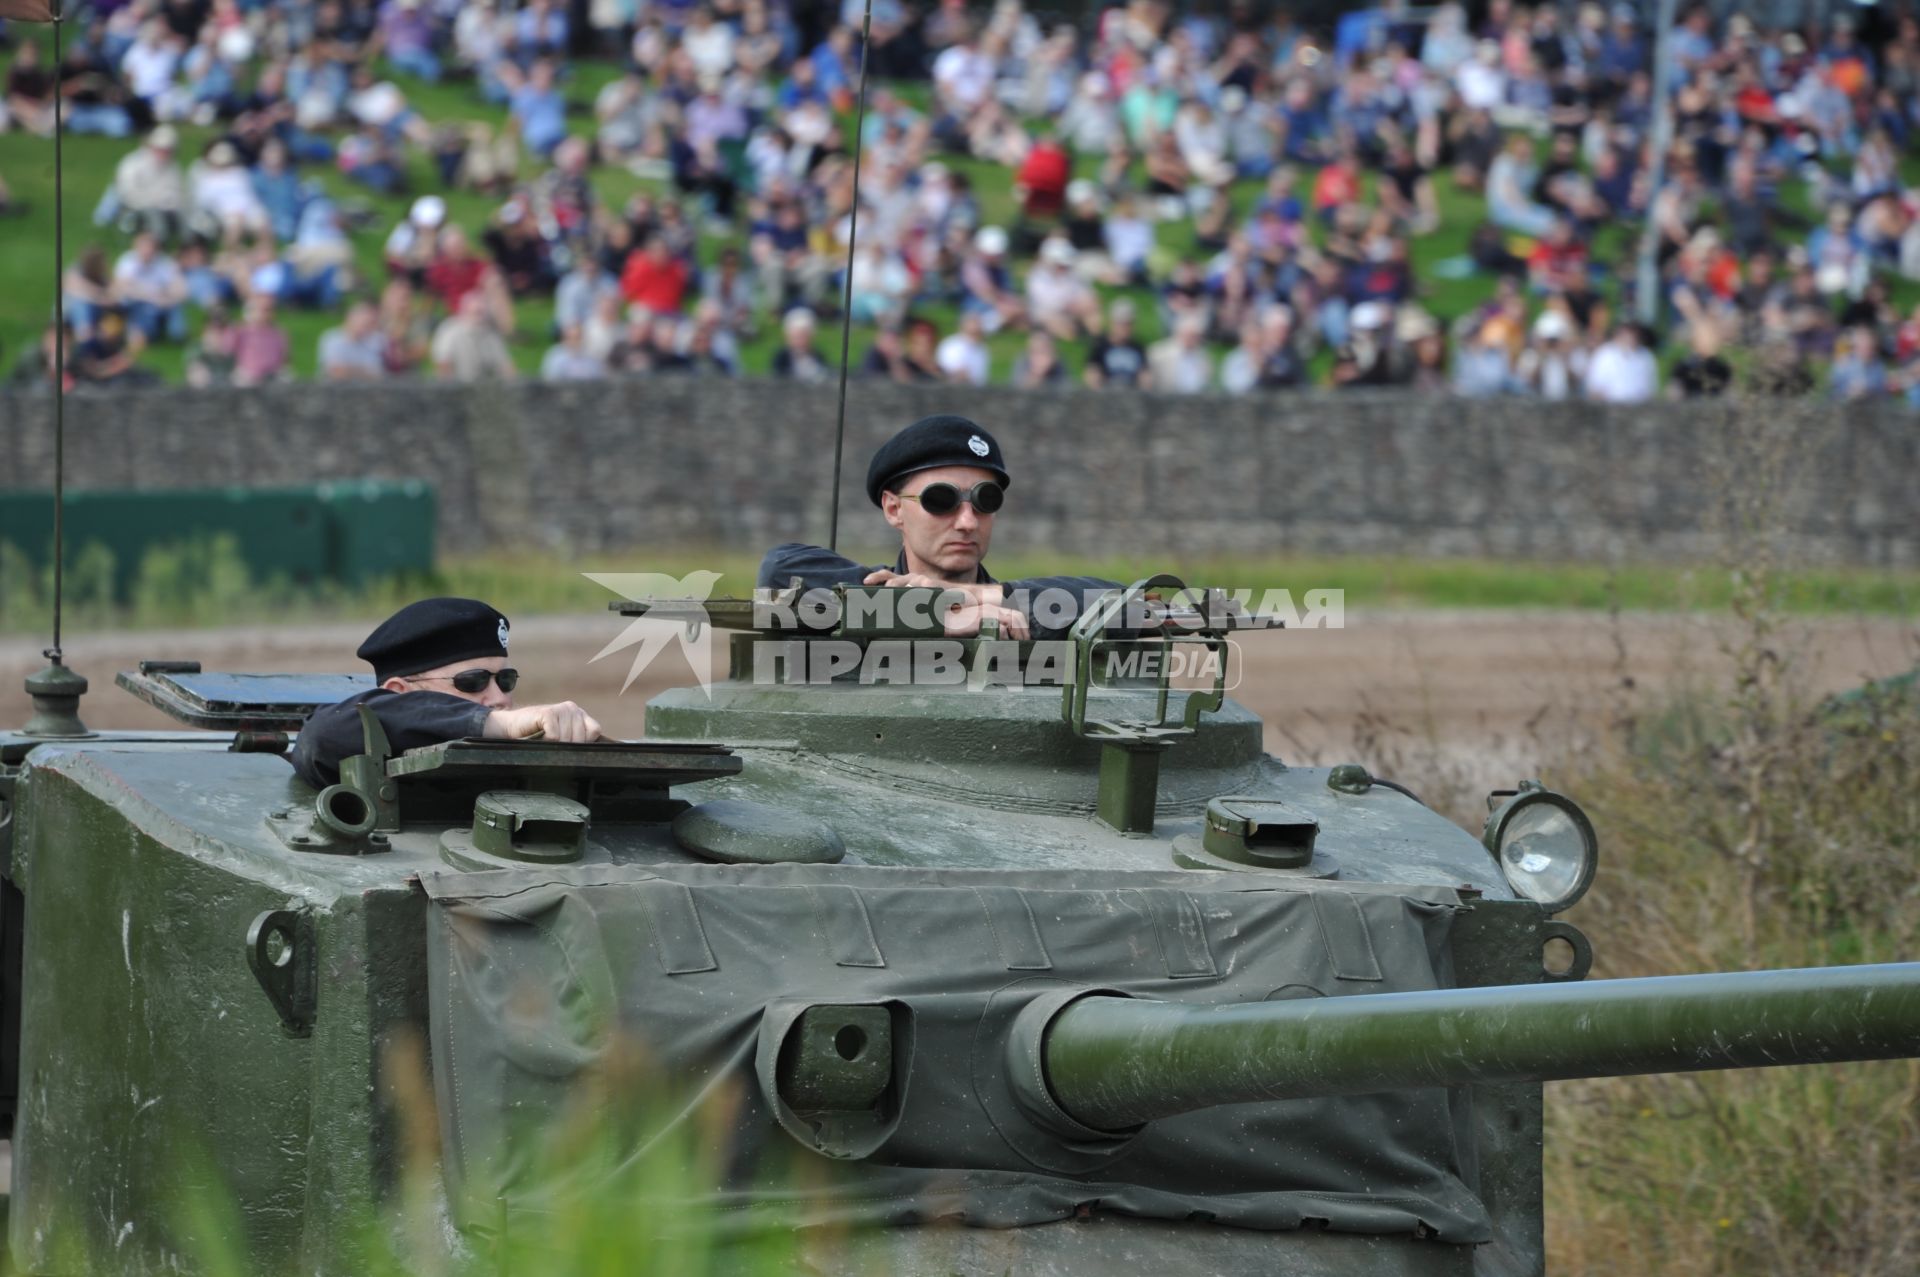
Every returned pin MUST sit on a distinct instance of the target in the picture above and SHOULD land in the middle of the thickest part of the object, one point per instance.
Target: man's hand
(963, 619)
(976, 593)
(562, 721)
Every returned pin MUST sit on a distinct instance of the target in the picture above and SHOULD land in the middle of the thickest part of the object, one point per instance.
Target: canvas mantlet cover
(541, 978)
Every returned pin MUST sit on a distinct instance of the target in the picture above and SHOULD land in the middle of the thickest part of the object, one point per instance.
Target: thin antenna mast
(53, 653)
(56, 690)
(1647, 273)
(846, 302)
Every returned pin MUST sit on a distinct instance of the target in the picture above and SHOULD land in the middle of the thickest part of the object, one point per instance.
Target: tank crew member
(443, 674)
(939, 482)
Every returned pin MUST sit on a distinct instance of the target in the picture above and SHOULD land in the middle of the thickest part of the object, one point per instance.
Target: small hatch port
(1261, 832)
(1291, 843)
(523, 825)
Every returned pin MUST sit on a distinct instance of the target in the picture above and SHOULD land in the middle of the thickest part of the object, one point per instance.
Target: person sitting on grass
(151, 286)
(109, 355)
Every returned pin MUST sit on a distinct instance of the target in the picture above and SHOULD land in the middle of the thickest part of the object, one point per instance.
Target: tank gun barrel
(1113, 1063)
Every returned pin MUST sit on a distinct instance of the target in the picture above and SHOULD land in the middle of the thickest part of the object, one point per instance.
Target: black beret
(432, 633)
(932, 442)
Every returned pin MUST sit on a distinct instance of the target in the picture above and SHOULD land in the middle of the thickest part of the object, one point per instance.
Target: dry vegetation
(1750, 828)
(1744, 824)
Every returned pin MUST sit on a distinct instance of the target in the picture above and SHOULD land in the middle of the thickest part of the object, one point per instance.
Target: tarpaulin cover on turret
(542, 979)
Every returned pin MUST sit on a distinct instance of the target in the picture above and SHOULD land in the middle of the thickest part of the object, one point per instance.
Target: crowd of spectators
(1184, 203)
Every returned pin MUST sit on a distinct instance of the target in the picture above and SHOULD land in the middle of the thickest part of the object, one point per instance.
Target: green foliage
(176, 582)
(204, 582)
(605, 1211)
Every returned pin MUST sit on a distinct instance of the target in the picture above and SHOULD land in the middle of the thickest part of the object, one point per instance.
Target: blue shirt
(542, 117)
(1621, 56)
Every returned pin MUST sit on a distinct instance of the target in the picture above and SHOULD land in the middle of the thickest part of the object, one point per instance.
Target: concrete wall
(616, 465)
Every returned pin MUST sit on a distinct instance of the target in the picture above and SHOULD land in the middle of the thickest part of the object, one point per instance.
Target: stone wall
(618, 465)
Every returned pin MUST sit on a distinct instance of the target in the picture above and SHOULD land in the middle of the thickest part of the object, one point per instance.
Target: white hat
(1057, 252)
(1371, 315)
(428, 211)
(1414, 325)
(1552, 326)
(1080, 190)
(236, 45)
(163, 138)
(990, 240)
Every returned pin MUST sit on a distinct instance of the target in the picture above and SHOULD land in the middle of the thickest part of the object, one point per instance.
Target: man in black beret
(939, 482)
(443, 674)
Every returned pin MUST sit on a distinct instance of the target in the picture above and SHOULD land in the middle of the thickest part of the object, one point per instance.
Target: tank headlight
(1544, 844)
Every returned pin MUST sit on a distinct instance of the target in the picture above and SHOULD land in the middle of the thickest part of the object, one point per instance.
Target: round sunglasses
(940, 499)
(473, 682)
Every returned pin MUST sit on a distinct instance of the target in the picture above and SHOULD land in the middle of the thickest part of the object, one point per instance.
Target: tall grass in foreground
(603, 1210)
(1756, 832)
(1748, 826)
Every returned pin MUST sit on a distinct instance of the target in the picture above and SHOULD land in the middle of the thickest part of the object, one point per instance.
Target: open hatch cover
(655, 764)
(233, 702)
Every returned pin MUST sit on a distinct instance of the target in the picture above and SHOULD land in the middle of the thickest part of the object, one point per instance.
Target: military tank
(1032, 961)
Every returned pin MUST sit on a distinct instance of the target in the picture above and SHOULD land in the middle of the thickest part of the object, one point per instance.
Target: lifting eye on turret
(1544, 844)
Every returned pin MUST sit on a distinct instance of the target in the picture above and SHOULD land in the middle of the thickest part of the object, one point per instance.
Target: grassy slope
(26, 241)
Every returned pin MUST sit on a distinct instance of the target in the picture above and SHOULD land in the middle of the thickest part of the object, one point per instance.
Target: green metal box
(377, 528)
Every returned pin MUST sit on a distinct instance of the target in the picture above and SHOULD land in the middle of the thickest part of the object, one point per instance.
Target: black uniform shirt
(411, 719)
(820, 568)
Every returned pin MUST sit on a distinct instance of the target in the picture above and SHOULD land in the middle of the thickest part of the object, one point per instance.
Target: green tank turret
(1017, 957)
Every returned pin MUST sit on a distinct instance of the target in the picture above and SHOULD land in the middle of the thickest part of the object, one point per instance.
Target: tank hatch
(648, 764)
(237, 702)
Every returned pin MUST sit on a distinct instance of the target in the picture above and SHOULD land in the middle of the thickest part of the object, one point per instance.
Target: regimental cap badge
(978, 446)
(503, 634)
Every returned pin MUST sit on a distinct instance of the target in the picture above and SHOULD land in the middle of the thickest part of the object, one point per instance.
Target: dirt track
(1486, 691)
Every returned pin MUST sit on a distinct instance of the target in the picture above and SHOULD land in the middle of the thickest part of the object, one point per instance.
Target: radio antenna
(56, 690)
(59, 360)
(846, 301)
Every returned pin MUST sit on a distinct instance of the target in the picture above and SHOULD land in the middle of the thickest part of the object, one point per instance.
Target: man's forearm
(815, 568)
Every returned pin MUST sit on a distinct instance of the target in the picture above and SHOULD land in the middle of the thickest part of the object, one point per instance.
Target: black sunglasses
(473, 682)
(941, 499)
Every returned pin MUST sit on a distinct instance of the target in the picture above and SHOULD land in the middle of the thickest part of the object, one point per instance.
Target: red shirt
(1906, 344)
(450, 279)
(1756, 104)
(1335, 185)
(1551, 263)
(1045, 175)
(660, 285)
